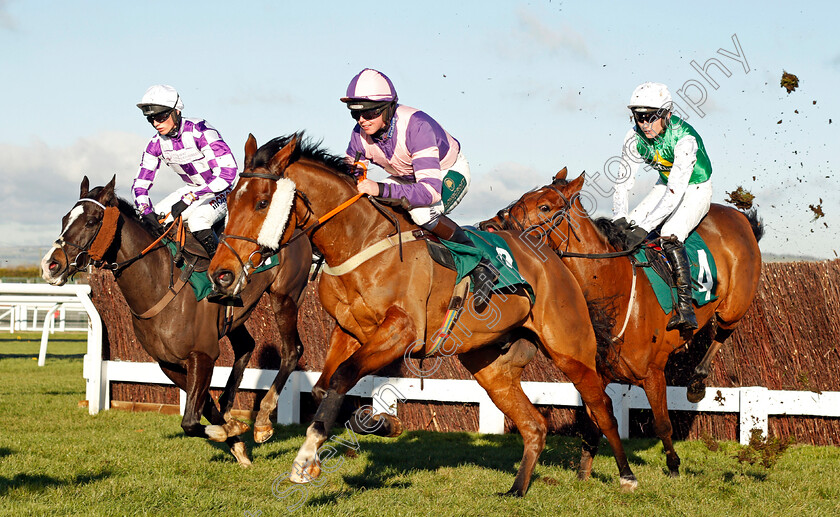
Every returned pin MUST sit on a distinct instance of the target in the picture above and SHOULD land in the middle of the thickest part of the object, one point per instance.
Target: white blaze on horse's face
(74, 214)
(278, 214)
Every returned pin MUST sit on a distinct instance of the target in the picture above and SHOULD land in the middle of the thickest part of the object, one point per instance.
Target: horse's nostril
(224, 278)
(53, 265)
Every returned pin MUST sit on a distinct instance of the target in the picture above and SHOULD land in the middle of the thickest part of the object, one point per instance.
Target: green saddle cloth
(703, 272)
(492, 247)
(200, 282)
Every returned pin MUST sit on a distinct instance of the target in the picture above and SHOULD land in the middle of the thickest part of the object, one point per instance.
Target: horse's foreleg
(655, 386)
(591, 438)
(243, 346)
(697, 383)
(385, 346)
(342, 346)
(591, 389)
(199, 372)
(499, 374)
(285, 314)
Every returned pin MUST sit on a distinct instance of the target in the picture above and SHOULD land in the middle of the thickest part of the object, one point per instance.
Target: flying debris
(789, 82)
(741, 198)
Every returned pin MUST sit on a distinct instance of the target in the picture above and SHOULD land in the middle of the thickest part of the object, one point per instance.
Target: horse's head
(544, 208)
(261, 215)
(88, 230)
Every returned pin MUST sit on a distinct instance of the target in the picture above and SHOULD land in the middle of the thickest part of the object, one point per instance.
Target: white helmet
(158, 98)
(651, 96)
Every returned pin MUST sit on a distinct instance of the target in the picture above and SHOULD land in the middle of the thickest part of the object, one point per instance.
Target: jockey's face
(651, 124)
(166, 126)
(371, 127)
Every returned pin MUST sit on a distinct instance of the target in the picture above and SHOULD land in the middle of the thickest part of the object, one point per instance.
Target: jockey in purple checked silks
(196, 152)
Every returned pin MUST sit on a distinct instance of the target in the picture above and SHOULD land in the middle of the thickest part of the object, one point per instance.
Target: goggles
(159, 117)
(646, 117)
(368, 114)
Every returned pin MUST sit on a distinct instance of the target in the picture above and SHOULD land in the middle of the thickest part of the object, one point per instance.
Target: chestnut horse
(184, 336)
(389, 304)
(556, 211)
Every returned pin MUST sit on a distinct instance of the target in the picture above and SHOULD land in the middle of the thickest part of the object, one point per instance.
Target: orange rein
(326, 217)
(180, 236)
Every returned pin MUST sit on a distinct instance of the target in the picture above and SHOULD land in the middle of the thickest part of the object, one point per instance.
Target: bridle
(550, 224)
(83, 258)
(308, 229)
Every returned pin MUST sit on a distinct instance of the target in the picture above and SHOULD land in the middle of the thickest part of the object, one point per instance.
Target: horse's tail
(756, 223)
(602, 314)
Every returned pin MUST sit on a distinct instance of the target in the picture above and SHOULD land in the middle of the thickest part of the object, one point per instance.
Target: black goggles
(368, 114)
(159, 117)
(646, 117)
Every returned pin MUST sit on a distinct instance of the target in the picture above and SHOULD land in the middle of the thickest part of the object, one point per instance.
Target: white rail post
(45, 332)
(619, 394)
(753, 412)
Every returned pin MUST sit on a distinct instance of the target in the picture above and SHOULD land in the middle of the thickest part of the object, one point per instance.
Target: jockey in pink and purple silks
(428, 175)
(196, 152)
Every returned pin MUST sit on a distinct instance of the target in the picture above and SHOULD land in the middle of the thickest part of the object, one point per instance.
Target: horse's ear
(576, 184)
(106, 197)
(250, 151)
(84, 188)
(282, 157)
(561, 174)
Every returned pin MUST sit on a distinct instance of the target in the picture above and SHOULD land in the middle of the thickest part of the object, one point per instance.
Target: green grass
(55, 459)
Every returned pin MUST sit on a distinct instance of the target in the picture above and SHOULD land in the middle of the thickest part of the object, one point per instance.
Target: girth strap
(371, 251)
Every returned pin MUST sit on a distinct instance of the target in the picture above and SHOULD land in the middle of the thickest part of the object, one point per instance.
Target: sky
(526, 87)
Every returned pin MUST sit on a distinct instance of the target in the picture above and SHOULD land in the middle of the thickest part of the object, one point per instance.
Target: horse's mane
(306, 148)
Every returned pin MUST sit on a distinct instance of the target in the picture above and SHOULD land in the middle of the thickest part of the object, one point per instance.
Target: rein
(562, 214)
(265, 252)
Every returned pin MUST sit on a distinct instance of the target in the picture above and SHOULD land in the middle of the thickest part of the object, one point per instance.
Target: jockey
(681, 197)
(428, 174)
(196, 152)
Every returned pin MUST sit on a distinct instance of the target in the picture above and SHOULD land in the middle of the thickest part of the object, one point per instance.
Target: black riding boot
(484, 275)
(208, 240)
(684, 318)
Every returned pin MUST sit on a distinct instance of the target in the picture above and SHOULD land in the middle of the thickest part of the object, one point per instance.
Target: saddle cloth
(492, 247)
(703, 272)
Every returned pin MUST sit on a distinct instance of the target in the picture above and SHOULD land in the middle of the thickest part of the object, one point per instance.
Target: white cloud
(41, 182)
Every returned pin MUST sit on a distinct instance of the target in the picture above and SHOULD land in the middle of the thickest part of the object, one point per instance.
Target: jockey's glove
(152, 220)
(178, 208)
(621, 224)
(634, 236)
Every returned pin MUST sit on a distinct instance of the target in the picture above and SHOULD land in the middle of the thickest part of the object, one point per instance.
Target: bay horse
(184, 336)
(555, 211)
(388, 305)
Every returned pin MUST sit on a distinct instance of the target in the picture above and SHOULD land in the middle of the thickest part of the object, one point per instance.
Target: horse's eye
(544, 208)
(262, 204)
(91, 222)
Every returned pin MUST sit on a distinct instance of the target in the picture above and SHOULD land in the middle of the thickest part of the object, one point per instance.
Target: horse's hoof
(583, 475)
(396, 424)
(511, 493)
(263, 433)
(241, 454)
(628, 483)
(696, 392)
(235, 428)
(216, 433)
(674, 474)
(305, 474)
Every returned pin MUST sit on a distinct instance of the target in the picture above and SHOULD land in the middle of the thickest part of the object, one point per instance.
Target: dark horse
(183, 337)
(556, 212)
(388, 305)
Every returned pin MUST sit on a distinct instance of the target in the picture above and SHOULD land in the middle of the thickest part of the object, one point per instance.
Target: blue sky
(526, 87)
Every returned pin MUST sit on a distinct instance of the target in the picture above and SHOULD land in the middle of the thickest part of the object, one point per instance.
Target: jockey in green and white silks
(681, 197)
